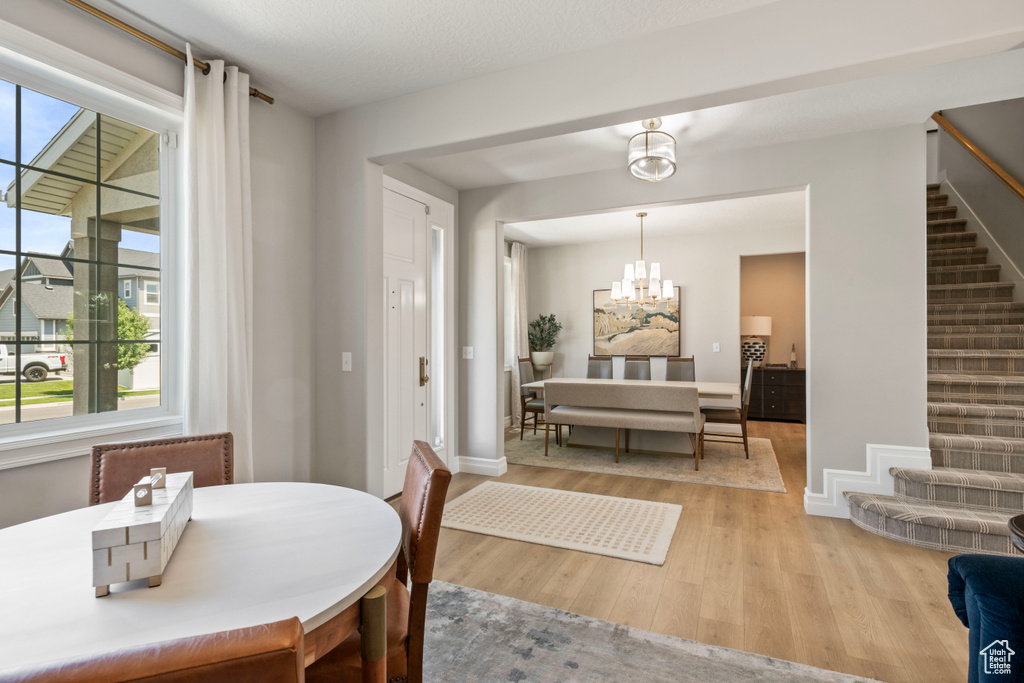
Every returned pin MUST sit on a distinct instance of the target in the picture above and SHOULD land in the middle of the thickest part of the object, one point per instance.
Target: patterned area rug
(723, 465)
(476, 636)
(630, 529)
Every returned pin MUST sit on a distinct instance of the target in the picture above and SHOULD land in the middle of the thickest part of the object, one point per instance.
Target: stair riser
(1007, 318)
(947, 227)
(952, 240)
(984, 394)
(978, 460)
(957, 260)
(935, 200)
(979, 426)
(977, 366)
(959, 277)
(941, 212)
(965, 497)
(994, 294)
(949, 540)
(967, 341)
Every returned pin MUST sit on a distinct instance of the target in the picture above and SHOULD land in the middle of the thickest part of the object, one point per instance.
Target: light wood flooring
(747, 570)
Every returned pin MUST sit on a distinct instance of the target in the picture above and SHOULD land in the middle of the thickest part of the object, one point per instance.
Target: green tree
(130, 325)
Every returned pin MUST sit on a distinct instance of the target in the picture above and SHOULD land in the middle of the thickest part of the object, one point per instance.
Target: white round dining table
(252, 554)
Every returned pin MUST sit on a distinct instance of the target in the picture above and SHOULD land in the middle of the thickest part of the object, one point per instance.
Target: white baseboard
(487, 466)
(508, 421)
(876, 479)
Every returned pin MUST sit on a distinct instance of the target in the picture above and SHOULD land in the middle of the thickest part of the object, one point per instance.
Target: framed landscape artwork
(622, 331)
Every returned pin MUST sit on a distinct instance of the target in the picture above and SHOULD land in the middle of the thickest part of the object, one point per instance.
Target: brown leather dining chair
(421, 506)
(257, 654)
(116, 467)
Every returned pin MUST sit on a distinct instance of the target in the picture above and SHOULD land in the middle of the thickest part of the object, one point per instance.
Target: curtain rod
(113, 21)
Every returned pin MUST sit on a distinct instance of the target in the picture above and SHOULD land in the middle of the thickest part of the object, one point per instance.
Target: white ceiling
(324, 55)
(902, 98)
(770, 211)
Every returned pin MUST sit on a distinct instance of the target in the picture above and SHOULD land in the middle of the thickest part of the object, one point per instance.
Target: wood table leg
(374, 635)
(547, 435)
(616, 444)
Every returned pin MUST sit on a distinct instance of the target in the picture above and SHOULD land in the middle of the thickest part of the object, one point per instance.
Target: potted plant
(543, 334)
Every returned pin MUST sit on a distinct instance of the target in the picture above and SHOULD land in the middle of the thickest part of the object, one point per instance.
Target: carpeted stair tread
(932, 187)
(976, 353)
(995, 481)
(957, 256)
(985, 389)
(1014, 328)
(971, 291)
(962, 488)
(1000, 313)
(977, 444)
(941, 516)
(936, 200)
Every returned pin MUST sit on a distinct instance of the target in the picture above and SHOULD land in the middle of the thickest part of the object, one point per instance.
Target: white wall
(705, 265)
(866, 280)
(282, 154)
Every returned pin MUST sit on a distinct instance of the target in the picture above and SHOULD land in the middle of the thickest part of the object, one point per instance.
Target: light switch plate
(467, 353)
(346, 361)
(716, 347)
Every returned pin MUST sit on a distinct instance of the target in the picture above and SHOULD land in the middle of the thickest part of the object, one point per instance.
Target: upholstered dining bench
(626, 405)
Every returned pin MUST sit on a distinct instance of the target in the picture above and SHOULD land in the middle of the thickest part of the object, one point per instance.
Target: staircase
(975, 405)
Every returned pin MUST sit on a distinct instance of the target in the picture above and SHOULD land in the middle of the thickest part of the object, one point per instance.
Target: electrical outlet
(346, 361)
(467, 353)
(716, 347)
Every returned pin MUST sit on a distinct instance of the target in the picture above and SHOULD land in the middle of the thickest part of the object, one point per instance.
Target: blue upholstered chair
(987, 593)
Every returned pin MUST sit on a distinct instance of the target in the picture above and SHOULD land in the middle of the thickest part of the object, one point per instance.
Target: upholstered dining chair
(421, 506)
(599, 367)
(116, 467)
(260, 654)
(529, 401)
(638, 367)
(736, 416)
(681, 370)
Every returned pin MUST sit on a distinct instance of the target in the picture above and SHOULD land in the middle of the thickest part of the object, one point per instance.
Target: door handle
(424, 378)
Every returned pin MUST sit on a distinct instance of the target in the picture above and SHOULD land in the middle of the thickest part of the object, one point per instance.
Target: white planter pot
(542, 357)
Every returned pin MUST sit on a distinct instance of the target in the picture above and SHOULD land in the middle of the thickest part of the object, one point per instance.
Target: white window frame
(146, 293)
(127, 289)
(53, 69)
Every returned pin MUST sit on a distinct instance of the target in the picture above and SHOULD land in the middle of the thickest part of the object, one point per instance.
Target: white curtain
(218, 258)
(520, 342)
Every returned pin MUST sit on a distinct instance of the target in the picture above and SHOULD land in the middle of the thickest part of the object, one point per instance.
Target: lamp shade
(616, 290)
(667, 290)
(655, 289)
(755, 325)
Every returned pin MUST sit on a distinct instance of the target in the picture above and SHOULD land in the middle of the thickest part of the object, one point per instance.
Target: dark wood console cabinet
(778, 394)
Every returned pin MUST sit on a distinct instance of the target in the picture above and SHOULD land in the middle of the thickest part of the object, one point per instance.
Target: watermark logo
(997, 657)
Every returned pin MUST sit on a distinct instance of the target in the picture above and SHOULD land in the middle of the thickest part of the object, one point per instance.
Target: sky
(42, 117)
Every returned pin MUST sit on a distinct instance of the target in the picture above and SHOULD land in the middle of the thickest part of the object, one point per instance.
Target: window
(153, 293)
(509, 313)
(82, 195)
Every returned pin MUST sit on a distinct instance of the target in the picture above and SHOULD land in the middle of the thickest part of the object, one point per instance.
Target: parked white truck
(34, 366)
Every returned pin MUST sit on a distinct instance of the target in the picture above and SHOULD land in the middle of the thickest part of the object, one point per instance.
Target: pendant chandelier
(635, 288)
(652, 154)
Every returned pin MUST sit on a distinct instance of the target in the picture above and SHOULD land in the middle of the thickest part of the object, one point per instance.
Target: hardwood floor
(747, 570)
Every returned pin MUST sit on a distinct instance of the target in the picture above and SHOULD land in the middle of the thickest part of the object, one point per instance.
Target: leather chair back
(257, 654)
(681, 370)
(525, 376)
(117, 467)
(599, 367)
(638, 367)
(426, 484)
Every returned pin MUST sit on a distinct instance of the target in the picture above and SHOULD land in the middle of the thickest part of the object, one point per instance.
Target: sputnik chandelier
(635, 289)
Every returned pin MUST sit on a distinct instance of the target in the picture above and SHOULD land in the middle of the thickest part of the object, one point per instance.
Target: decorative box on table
(135, 541)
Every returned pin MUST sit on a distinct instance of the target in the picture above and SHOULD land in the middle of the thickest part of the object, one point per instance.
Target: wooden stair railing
(985, 159)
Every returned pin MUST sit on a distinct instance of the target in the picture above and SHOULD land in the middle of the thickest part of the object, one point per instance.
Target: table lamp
(752, 328)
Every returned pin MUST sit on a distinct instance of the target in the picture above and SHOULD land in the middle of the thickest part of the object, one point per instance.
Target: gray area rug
(476, 636)
(724, 464)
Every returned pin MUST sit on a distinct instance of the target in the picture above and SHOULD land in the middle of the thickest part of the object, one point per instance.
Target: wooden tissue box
(136, 542)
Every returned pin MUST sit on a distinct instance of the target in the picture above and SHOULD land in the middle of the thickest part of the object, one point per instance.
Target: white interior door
(406, 268)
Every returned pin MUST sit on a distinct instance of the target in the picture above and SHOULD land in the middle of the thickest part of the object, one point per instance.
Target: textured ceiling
(325, 55)
(784, 209)
(895, 99)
